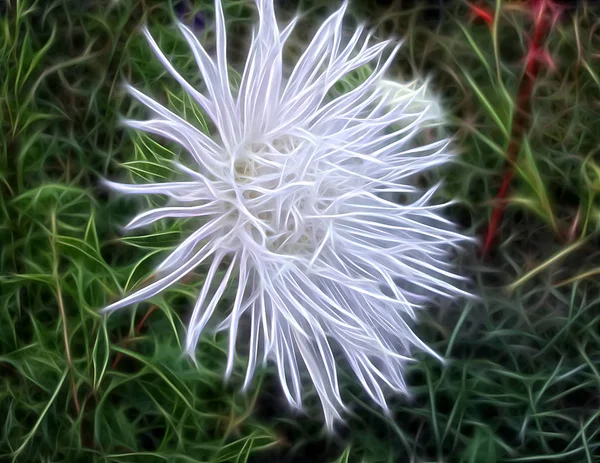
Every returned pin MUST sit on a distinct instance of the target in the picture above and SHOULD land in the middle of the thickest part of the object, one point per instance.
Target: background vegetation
(521, 82)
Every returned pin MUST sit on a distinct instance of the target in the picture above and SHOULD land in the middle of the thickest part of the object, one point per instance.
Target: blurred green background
(522, 383)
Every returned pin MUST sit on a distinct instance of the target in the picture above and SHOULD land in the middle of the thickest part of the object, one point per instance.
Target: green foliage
(522, 379)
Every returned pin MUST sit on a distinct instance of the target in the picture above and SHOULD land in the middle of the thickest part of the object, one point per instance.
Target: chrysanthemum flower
(295, 189)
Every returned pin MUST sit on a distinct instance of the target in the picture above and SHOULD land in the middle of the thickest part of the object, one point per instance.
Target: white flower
(292, 190)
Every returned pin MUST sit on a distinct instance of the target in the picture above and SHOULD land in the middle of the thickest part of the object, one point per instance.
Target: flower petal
(160, 285)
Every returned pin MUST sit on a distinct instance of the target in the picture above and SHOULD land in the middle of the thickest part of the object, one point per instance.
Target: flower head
(296, 190)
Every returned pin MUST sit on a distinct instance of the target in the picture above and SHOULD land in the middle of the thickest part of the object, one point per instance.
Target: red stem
(141, 323)
(138, 329)
(521, 118)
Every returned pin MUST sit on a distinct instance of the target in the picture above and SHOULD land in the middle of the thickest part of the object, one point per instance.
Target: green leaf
(501, 116)
(528, 171)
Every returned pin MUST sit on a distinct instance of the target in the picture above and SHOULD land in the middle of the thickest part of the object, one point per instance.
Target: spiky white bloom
(292, 190)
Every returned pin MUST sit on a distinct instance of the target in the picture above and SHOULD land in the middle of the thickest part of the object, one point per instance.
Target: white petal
(181, 253)
(198, 322)
(315, 54)
(148, 217)
(160, 285)
(216, 83)
(236, 312)
(176, 190)
(205, 103)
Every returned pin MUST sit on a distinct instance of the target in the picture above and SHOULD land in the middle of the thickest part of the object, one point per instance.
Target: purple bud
(181, 9)
(199, 21)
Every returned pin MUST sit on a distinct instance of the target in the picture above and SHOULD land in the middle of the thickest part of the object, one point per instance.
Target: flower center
(278, 196)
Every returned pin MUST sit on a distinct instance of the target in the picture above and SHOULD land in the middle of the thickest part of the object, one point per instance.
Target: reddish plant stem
(483, 13)
(138, 329)
(141, 323)
(521, 119)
